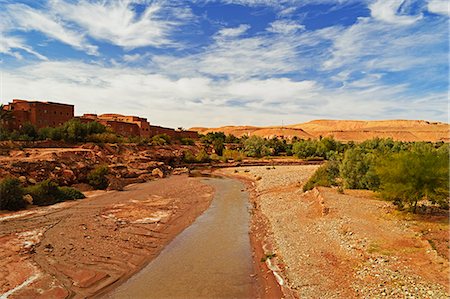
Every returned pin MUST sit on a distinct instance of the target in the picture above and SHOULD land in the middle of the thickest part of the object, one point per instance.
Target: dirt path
(83, 248)
(331, 245)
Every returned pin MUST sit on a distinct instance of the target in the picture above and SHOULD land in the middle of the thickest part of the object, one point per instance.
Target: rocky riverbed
(322, 244)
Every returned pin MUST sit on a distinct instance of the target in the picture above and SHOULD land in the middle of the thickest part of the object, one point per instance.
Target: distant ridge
(346, 130)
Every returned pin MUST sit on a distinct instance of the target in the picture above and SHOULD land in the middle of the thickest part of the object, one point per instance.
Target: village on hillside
(51, 114)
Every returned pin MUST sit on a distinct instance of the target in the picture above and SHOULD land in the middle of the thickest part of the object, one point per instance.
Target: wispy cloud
(25, 18)
(389, 11)
(233, 32)
(118, 23)
(285, 26)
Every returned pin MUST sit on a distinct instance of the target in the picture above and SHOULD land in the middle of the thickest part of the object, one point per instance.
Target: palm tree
(5, 115)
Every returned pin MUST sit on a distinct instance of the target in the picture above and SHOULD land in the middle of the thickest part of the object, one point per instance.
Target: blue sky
(230, 62)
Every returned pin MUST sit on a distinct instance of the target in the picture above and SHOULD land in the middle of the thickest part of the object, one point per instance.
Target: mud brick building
(142, 123)
(156, 130)
(40, 114)
(119, 127)
(50, 114)
(135, 126)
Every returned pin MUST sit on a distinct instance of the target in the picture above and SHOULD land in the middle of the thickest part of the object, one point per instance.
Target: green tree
(304, 148)
(255, 146)
(410, 176)
(218, 146)
(29, 130)
(357, 169)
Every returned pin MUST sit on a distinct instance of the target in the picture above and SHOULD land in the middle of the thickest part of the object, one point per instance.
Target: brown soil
(83, 248)
(347, 130)
(352, 245)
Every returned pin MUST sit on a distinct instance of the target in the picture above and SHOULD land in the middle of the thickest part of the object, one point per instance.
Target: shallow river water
(210, 259)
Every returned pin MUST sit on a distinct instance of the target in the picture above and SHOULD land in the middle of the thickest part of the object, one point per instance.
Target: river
(210, 259)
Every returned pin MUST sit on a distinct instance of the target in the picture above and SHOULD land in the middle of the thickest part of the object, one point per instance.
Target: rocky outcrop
(127, 163)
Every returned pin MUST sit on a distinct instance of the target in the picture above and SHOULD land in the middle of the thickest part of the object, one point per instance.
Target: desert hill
(346, 130)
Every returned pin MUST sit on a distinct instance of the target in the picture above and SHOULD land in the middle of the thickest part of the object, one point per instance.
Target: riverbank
(322, 244)
(84, 248)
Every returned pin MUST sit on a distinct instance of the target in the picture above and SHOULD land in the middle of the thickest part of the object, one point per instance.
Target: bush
(187, 141)
(45, 193)
(68, 193)
(325, 175)
(11, 195)
(104, 138)
(97, 177)
(202, 157)
(233, 155)
(188, 157)
(160, 139)
(48, 192)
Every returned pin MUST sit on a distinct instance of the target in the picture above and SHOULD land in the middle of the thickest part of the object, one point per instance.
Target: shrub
(48, 192)
(187, 141)
(188, 157)
(97, 177)
(45, 193)
(161, 139)
(68, 193)
(11, 195)
(202, 157)
(104, 138)
(233, 155)
(325, 175)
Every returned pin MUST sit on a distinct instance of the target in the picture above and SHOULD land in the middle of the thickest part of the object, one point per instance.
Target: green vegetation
(97, 177)
(72, 131)
(420, 174)
(404, 173)
(187, 141)
(11, 195)
(326, 175)
(68, 193)
(268, 256)
(256, 146)
(160, 139)
(44, 193)
(48, 192)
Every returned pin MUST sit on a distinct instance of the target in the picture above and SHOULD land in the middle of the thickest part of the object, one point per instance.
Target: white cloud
(285, 27)
(258, 56)
(387, 11)
(233, 32)
(118, 23)
(372, 45)
(9, 43)
(26, 18)
(439, 7)
(199, 100)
